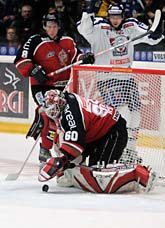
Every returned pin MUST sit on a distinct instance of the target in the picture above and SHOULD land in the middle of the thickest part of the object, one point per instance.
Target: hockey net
(139, 95)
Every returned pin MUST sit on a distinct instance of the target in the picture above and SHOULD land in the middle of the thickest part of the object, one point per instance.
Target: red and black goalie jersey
(85, 121)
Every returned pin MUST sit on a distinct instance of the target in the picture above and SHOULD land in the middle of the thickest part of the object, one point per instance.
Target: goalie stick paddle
(151, 30)
(14, 176)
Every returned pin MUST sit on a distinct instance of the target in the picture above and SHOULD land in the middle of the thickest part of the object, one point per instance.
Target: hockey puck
(45, 188)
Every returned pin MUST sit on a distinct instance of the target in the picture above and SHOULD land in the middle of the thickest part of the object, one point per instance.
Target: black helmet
(49, 17)
(116, 9)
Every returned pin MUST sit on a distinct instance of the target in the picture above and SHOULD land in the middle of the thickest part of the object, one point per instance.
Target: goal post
(139, 95)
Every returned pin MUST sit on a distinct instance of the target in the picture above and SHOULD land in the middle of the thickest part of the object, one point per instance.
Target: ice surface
(23, 204)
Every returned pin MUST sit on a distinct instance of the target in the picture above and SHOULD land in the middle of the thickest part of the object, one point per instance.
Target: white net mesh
(140, 98)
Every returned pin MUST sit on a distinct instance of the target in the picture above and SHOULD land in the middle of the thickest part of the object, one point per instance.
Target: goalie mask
(55, 103)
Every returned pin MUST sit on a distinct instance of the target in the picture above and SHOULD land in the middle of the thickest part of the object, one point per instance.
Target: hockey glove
(156, 35)
(53, 167)
(92, 6)
(87, 58)
(39, 74)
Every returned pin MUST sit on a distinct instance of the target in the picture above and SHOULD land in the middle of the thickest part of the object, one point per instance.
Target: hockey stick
(65, 68)
(14, 176)
(151, 30)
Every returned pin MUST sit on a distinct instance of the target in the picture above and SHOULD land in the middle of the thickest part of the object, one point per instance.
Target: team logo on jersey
(69, 117)
(50, 54)
(63, 57)
(121, 50)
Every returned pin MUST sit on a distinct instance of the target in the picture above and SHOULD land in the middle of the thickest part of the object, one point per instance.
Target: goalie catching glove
(39, 74)
(53, 167)
(87, 58)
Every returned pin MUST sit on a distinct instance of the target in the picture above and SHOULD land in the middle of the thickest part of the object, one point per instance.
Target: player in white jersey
(121, 91)
(102, 35)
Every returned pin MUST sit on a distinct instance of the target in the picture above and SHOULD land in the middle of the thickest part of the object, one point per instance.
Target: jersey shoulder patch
(134, 22)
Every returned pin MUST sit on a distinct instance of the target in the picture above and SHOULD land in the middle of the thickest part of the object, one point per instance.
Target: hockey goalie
(90, 131)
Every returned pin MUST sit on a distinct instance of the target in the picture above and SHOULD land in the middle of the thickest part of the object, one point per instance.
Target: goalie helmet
(52, 17)
(116, 9)
(55, 103)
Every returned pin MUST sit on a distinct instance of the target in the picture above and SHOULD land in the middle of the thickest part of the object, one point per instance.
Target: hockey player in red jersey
(44, 54)
(90, 128)
(36, 59)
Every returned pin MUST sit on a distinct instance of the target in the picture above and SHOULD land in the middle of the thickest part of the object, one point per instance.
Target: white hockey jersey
(101, 35)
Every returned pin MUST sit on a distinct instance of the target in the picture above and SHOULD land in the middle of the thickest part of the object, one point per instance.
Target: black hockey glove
(87, 58)
(39, 74)
(156, 35)
(92, 6)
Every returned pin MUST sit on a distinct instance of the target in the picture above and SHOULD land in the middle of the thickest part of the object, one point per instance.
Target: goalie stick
(151, 30)
(14, 176)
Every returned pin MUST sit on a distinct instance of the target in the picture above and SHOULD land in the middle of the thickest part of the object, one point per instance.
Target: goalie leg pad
(117, 178)
(48, 133)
